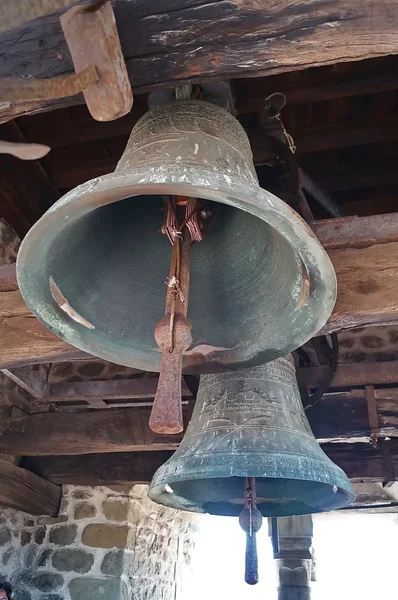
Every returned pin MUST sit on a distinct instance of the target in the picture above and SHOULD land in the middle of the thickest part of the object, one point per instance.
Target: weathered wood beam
(356, 232)
(141, 388)
(138, 388)
(338, 417)
(250, 96)
(329, 137)
(366, 286)
(348, 375)
(98, 469)
(366, 277)
(354, 180)
(8, 278)
(194, 40)
(23, 490)
(360, 462)
(124, 429)
(29, 379)
(25, 188)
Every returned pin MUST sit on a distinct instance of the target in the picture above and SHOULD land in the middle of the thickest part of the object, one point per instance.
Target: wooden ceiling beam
(119, 430)
(250, 94)
(338, 417)
(194, 41)
(361, 462)
(356, 232)
(22, 490)
(329, 136)
(120, 389)
(366, 277)
(307, 140)
(348, 375)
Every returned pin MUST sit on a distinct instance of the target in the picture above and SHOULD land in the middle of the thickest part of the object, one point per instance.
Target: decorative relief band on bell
(195, 134)
(252, 398)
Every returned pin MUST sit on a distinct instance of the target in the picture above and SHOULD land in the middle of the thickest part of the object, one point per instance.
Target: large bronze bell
(251, 424)
(93, 268)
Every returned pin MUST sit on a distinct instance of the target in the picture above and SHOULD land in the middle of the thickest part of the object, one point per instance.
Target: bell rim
(335, 478)
(118, 186)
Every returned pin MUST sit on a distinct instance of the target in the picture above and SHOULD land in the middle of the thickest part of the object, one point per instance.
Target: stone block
(15, 518)
(52, 520)
(103, 535)
(41, 581)
(7, 556)
(40, 534)
(5, 536)
(19, 594)
(63, 535)
(115, 511)
(63, 507)
(52, 597)
(30, 555)
(29, 523)
(26, 537)
(113, 563)
(90, 588)
(73, 560)
(84, 510)
(82, 494)
(43, 558)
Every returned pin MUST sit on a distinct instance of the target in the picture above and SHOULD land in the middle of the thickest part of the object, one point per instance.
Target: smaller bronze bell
(251, 424)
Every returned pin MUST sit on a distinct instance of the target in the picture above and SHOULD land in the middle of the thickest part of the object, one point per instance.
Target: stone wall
(111, 543)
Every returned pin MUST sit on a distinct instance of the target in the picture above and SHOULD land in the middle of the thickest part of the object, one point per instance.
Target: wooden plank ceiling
(344, 121)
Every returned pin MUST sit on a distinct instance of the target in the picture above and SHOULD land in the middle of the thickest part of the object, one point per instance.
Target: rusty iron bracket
(92, 37)
(16, 90)
(372, 415)
(388, 464)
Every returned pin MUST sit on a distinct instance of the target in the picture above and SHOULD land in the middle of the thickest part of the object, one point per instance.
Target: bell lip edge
(156, 493)
(107, 184)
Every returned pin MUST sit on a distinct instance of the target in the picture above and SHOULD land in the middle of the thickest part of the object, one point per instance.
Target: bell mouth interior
(275, 497)
(111, 265)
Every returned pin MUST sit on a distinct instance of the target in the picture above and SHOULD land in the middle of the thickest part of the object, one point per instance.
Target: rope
(175, 234)
(289, 138)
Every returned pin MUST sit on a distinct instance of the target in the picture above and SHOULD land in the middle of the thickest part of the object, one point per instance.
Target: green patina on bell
(251, 424)
(93, 268)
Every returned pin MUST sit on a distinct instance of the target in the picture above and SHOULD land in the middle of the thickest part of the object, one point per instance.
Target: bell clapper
(173, 333)
(250, 519)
